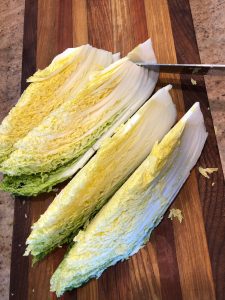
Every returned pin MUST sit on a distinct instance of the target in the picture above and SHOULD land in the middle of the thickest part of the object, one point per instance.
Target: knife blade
(194, 69)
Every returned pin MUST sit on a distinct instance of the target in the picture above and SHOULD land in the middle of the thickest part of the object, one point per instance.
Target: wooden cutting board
(181, 261)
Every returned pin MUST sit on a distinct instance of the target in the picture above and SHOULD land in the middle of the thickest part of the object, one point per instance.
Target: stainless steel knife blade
(194, 69)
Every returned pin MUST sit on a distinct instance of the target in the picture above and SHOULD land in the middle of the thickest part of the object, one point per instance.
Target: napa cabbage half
(55, 147)
(126, 221)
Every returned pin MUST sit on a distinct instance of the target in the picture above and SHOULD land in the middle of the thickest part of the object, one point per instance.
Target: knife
(194, 69)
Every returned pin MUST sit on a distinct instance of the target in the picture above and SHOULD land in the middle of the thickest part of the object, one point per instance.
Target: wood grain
(47, 31)
(21, 225)
(100, 31)
(65, 29)
(80, 27)
(175, 264)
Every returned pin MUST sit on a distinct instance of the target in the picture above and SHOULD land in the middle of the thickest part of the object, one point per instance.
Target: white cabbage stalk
(49, 88)
(117, 158)
(70, 130)
(126, 221)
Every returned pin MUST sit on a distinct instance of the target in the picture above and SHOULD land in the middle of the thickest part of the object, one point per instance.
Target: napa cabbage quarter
(53, 148)
(126, 221)
(49, 88)
(89, 190)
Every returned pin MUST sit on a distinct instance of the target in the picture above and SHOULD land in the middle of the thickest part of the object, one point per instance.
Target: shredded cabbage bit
(194, 82)
(205, 171)
(175, 213)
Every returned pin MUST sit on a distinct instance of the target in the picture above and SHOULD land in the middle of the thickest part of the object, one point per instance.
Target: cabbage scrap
(175, 213)
(205, 171)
